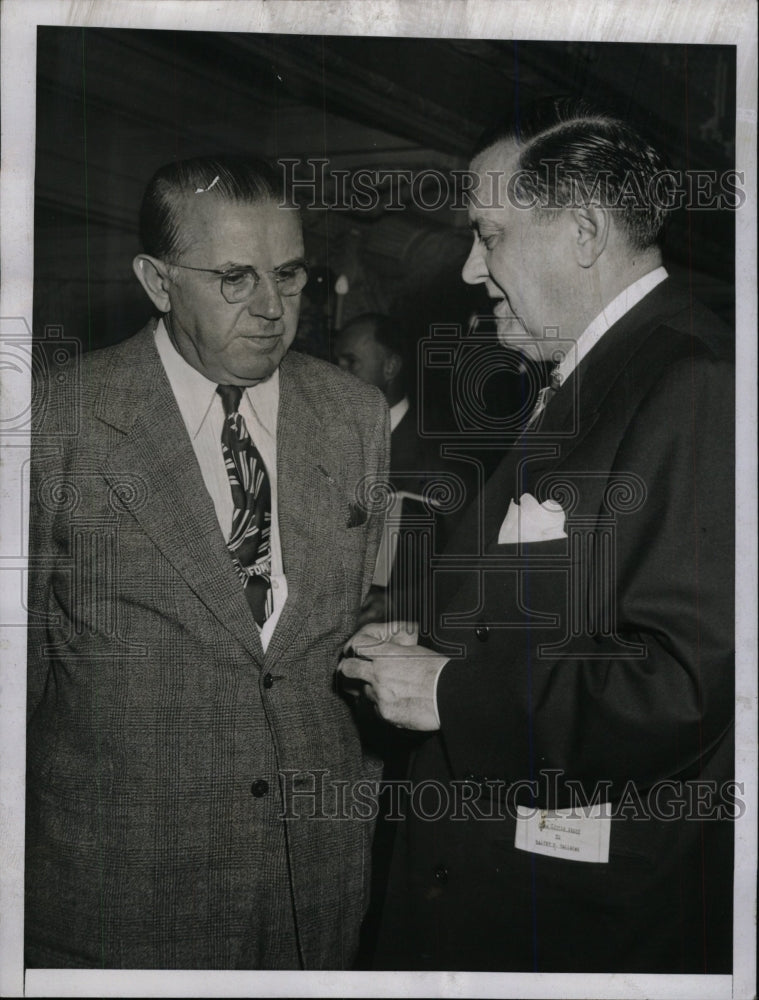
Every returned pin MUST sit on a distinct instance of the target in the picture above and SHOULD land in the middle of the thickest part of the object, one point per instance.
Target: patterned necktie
(545, 395)
(249, 541)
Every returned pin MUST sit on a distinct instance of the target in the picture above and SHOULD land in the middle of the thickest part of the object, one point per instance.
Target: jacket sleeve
(508, 711)
(49, 488)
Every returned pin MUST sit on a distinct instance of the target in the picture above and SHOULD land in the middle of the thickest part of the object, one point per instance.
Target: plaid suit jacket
(178, 778)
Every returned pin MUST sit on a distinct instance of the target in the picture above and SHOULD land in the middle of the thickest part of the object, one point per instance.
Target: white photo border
(644, 21)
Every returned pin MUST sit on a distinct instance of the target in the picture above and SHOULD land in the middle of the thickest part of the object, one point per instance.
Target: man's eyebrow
(232, 265)
(291, 262)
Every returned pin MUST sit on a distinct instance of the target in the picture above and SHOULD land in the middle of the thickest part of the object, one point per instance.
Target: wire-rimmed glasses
(238, 284)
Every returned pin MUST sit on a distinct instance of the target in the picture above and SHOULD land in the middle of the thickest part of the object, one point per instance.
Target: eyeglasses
(238, 284)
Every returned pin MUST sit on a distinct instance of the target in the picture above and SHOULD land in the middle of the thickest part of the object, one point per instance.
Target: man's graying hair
(231, 178)
(569, 152)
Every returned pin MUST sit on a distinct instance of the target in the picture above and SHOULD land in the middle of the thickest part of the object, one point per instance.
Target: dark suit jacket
(606, 659)
(415, 467)
(414, 460)
(164, 746)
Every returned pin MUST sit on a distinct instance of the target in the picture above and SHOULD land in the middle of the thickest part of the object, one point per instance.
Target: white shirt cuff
(434, 693)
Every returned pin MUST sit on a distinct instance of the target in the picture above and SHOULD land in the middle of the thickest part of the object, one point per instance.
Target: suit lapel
(178, 514)
(309, 504)
(575, 409)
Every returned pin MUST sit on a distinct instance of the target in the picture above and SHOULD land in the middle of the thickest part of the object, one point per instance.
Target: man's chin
(258, 364)
(513, 335)
(260, 373)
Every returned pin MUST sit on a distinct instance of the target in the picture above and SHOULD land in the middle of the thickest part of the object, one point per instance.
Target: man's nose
(475, 270)
(267, 300)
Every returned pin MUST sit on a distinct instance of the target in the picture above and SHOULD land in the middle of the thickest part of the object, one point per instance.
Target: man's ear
(152, 276)
(591, 227)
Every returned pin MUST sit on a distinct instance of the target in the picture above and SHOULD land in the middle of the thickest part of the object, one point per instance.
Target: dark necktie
(249, 542)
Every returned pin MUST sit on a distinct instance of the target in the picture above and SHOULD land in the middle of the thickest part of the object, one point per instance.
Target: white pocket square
(530, 521)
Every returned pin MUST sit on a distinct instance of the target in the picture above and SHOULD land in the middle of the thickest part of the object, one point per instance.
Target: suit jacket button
(268, 681)
(441, 874)
(482, 632)
(259, 787)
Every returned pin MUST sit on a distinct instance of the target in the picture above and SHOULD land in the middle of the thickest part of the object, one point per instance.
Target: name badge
(580, 834)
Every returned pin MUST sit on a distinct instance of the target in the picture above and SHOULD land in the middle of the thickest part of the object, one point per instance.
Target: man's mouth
(263, 335)
(502, 309)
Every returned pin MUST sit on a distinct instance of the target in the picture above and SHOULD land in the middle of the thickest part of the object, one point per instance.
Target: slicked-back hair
(571, 153)
(230, 178)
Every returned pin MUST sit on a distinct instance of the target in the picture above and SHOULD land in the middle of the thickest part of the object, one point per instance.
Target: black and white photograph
(378, 471)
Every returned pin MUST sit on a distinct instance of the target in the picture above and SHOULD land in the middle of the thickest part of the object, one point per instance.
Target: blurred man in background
(375, 348)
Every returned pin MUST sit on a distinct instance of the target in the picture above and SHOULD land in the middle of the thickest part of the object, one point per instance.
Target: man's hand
(399, 676)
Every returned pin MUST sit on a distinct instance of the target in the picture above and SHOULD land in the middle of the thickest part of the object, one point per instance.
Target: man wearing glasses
(199, 554)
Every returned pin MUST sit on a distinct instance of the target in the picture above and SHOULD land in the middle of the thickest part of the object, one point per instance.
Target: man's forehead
(216, 220)
(358, 335)
(492, 169)
(502, 155)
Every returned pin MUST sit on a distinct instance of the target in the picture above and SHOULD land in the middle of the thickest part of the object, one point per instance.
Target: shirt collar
(608, 316)
(196, 395)
(398, 412)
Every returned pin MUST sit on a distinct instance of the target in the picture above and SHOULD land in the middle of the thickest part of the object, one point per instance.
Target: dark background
(114, 104)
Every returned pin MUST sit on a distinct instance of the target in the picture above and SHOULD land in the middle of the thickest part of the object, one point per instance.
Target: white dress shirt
(608, 316)
(398, 412)
(203, 416)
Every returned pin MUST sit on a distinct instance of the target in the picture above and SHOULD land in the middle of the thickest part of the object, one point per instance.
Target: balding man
(569, 810)
(199, 555)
